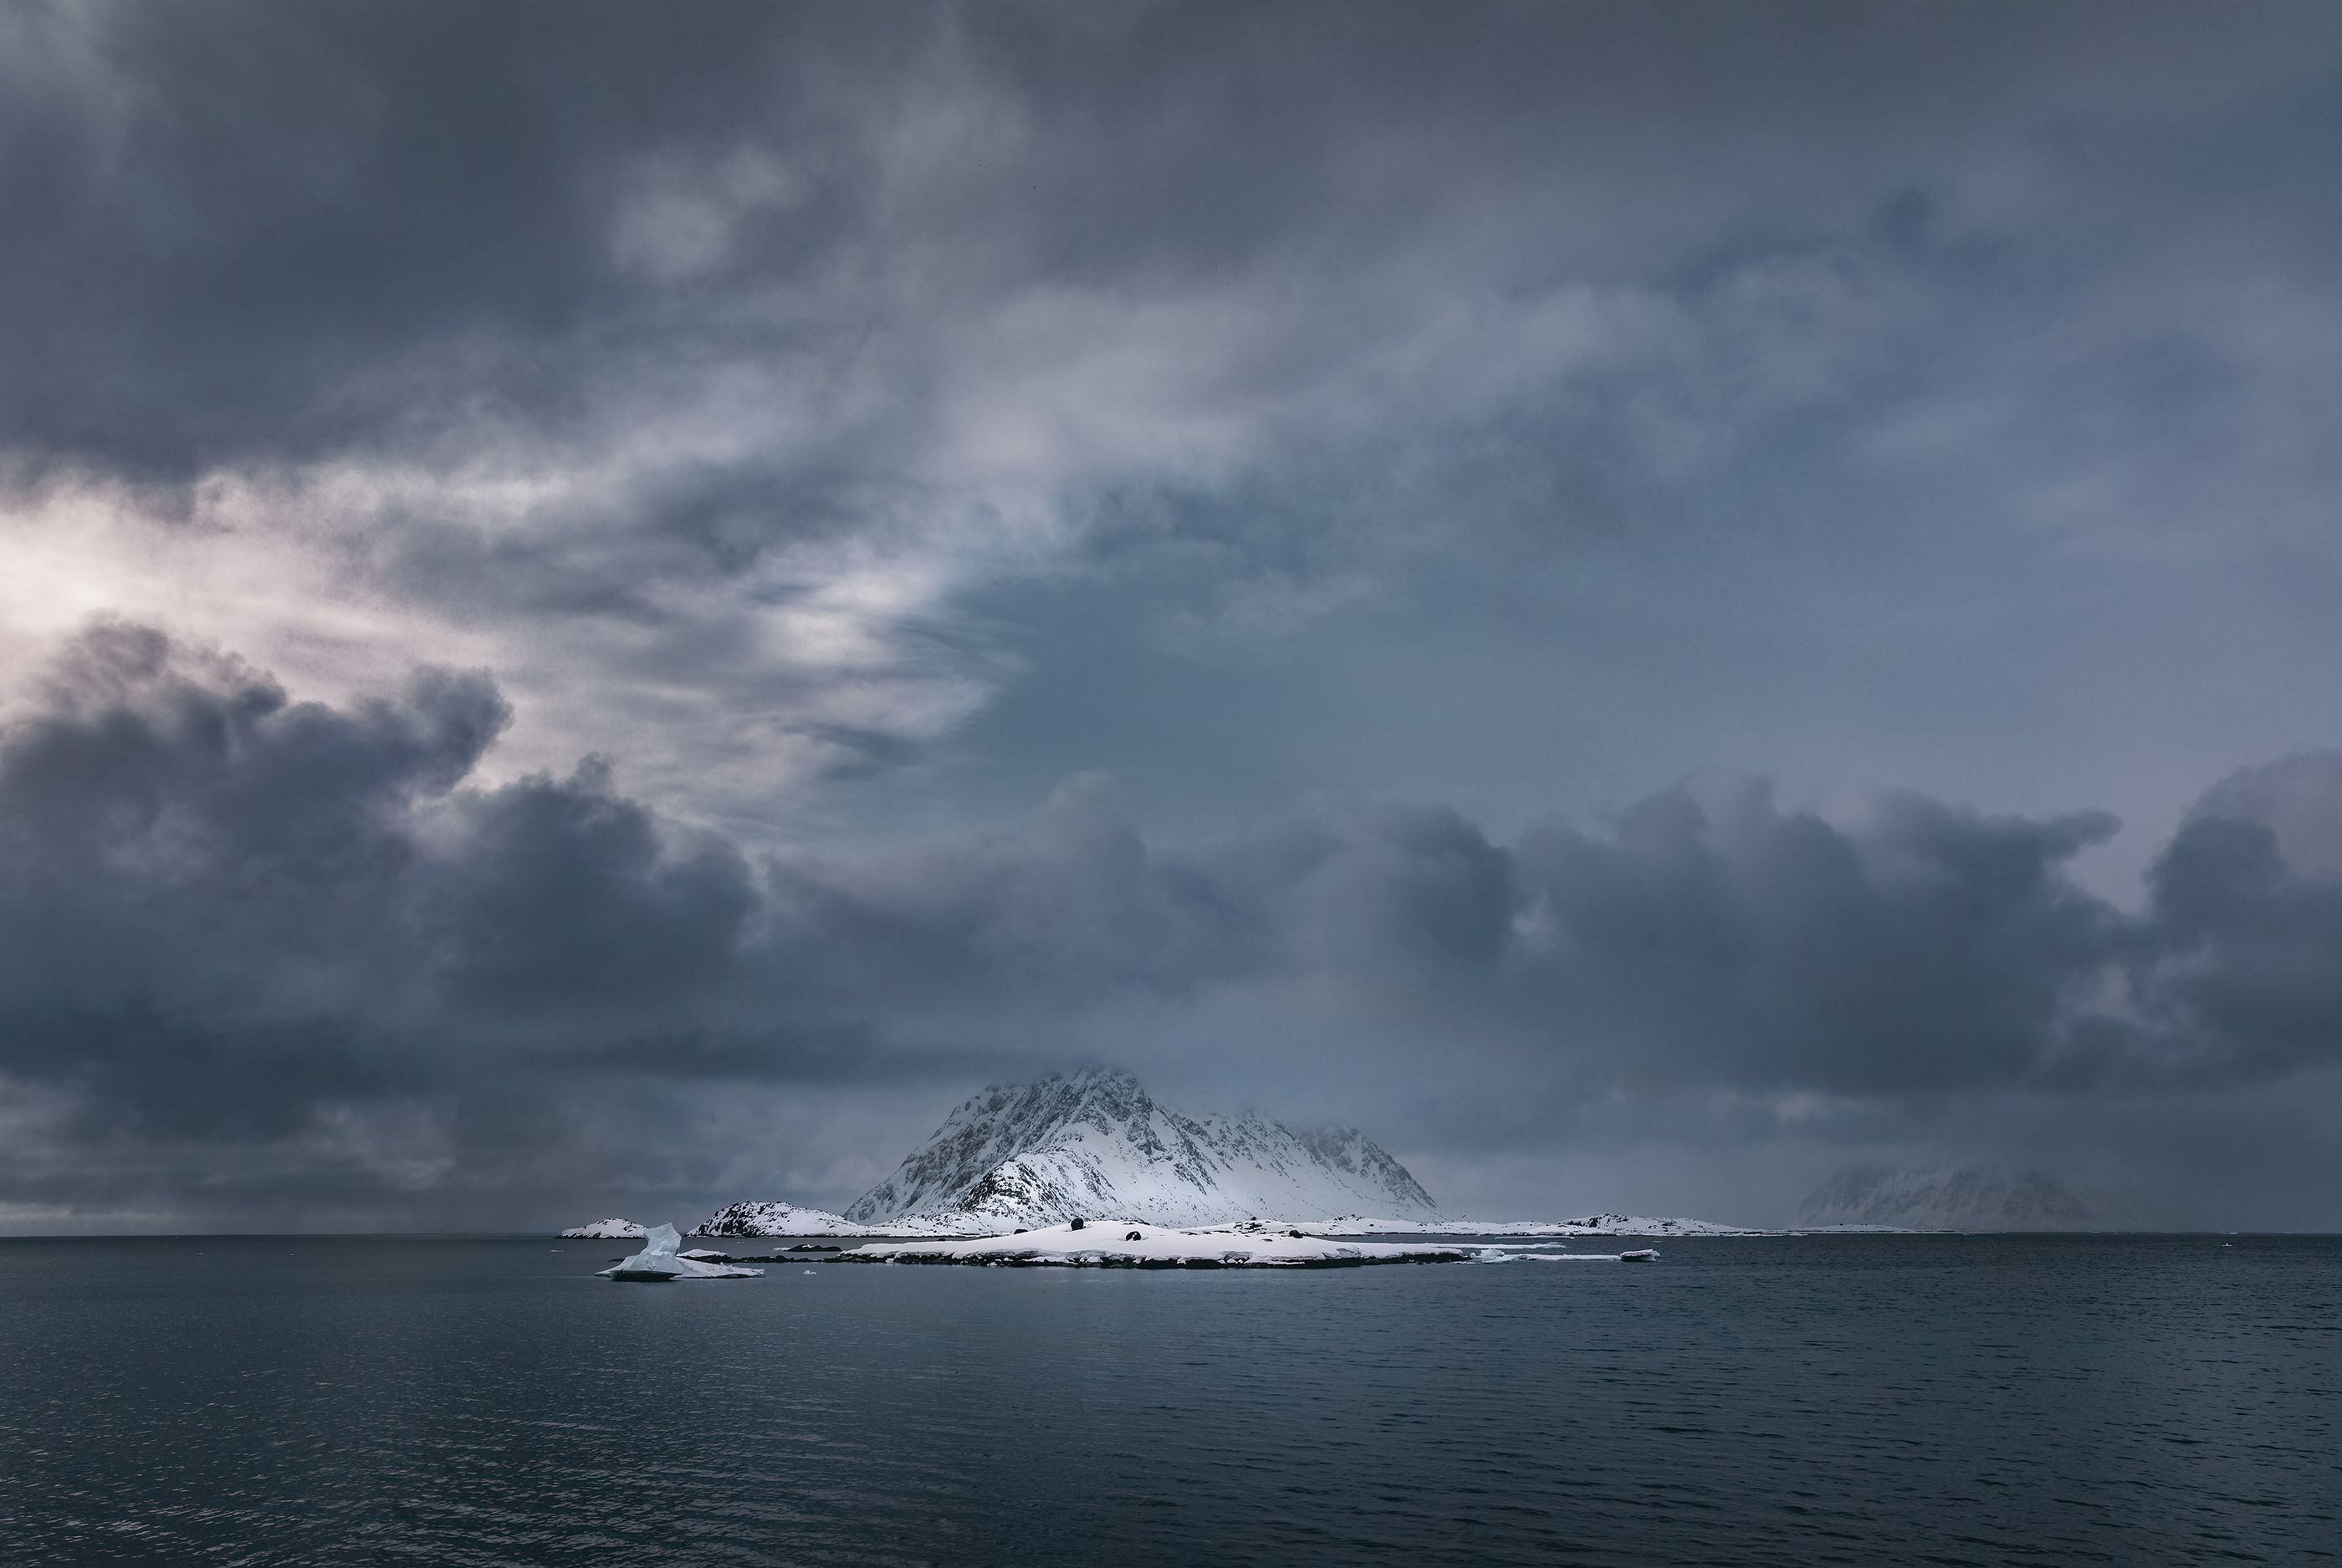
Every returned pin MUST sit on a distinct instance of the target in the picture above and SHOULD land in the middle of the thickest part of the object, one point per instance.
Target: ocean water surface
(1843, 1399)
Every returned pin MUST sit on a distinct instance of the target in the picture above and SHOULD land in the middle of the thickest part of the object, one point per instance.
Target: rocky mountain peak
(1093, 1142)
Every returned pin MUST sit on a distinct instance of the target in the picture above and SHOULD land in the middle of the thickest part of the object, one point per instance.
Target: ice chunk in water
(658, 1260)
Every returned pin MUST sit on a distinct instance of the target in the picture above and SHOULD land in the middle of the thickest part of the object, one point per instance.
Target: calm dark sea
(1873, 1400)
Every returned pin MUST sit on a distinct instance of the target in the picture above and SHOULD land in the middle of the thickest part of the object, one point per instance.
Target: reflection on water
(1780, 1401)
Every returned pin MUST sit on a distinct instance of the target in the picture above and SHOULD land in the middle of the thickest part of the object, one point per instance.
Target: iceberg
(604, 1231)
(659, 1261)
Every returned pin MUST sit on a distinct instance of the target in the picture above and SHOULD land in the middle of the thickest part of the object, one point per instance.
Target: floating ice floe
(658, 1262)
(1499, 1255)
(1121, 1245)
(604, 1231)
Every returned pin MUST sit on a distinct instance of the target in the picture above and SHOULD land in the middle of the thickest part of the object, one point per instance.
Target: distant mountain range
(1965, 1198)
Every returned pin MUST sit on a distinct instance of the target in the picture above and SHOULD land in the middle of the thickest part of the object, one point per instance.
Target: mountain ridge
(1093, 1143)
(1963, 1198)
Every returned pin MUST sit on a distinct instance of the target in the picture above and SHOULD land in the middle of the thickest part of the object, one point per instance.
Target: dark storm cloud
(225, 908)
(261, 232)
(233, 921)
(246, 227)
(2245, 953)
(1930, 948)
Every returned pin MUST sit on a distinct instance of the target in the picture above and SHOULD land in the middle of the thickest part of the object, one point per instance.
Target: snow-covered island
(1589, 1225)
(604, 1231)
(1124, 1244)
(1095, 1144)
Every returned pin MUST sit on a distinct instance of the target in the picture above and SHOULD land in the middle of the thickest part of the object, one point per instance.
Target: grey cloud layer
(838, 419)
(233, 922)
(701, 369)
(308, 231)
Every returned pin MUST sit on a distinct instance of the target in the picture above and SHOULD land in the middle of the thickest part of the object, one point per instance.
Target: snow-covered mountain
(1093, 1144)
(604, 1231)
(779, 1218)
(1962, 1198)
(775, 1219)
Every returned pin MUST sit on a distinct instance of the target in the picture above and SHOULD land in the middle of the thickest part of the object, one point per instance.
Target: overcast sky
(604, 609)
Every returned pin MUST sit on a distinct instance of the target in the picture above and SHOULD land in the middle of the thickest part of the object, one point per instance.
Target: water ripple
(2007, 1401)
